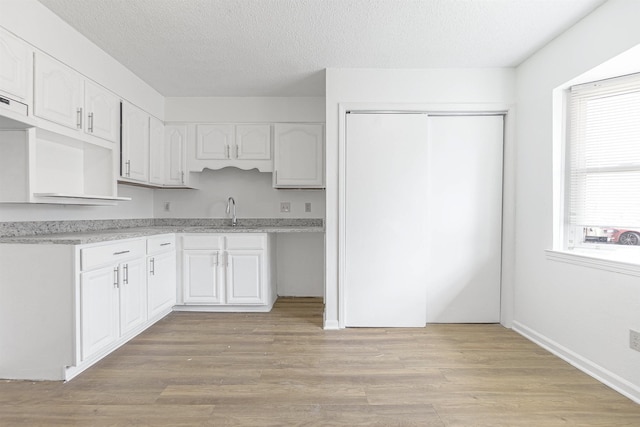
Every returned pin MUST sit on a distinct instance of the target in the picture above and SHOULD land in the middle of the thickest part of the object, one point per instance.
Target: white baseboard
(605, 376)
(331, 325)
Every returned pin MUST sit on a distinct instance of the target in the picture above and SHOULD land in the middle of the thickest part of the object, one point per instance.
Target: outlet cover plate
(634, 340)
(285, 207)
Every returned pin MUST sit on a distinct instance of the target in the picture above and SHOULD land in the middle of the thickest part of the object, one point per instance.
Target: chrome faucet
(234, 220)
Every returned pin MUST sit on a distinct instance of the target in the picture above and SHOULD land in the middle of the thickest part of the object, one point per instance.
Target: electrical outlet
(285, 207)
(167, 206)
(634, 340)
(307, 207)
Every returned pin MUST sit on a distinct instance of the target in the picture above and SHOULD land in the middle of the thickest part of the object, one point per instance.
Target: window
(603, 161)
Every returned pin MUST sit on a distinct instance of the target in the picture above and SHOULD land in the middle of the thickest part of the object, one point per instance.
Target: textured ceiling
(281, 47)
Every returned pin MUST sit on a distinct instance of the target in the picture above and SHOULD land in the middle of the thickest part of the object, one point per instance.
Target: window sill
(592, 259)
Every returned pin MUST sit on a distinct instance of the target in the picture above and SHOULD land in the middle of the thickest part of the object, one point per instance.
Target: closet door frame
(508, 209)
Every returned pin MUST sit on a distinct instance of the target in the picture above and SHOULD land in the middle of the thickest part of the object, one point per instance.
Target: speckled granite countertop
(82, 232)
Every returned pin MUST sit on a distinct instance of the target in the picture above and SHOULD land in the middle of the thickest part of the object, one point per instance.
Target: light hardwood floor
(281, 368)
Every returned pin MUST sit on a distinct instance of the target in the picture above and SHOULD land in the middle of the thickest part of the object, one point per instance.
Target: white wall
(37, 25)
(245, 109)
(581, 313)
(442, 88)
(252, 191)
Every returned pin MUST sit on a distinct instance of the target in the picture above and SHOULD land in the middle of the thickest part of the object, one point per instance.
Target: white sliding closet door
(465, 219)
(385, 246)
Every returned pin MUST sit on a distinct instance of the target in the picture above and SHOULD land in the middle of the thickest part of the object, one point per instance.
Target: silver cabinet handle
(79, 118)
(153, 267)
(182, 176)
(228, 156)
(237, 151)
(128, 168)
(91, 122)
(165, 244)
(126, 274)
(216, 262)
(121, 252)
(115, 277)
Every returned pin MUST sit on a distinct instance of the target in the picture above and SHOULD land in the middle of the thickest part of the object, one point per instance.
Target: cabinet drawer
(159, 244)
(98, 256)
(246, 241)
(206, 241)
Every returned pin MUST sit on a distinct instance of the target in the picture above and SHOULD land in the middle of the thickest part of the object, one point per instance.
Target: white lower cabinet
(99, 317)
(113, 297)
(90, 299)
(228, 272)
(133, 295)
(201, 277)
(112, 304)
(93, 298)
(161, 275)
(245, 277)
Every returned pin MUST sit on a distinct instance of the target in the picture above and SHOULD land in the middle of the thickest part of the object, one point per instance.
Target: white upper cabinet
(245, 146)
(214, 142)
(156, 151)
(15, 65)
(298, 155)
(175, 139)
(135, 143)
(58, 92)
(253, 142)
(64, 97)
(102, 112)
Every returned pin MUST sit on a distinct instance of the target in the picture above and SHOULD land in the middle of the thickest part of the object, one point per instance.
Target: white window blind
(604, 153)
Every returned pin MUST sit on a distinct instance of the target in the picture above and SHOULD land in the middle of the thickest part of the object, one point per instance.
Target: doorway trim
(508, 188)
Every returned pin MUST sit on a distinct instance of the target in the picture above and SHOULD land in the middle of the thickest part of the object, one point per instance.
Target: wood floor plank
(282, 369)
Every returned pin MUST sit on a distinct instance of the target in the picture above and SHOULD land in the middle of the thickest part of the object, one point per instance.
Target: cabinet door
(253, 142)
(201, 278)
(58, 92)
(298, 160)
(133, 295)
(214, 141)
(175, 158)
(102, 112)
(161, 284)
(14, 66)
(135, 143)
(245, 279)
(156, 151)
(98, 310)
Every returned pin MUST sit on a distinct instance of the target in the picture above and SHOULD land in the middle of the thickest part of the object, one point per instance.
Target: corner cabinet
(227, 272)
(298, 155)
(161, 270)
(175, 160)
(135, 144)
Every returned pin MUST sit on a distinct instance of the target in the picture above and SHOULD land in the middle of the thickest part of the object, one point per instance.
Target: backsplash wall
(252, 191)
